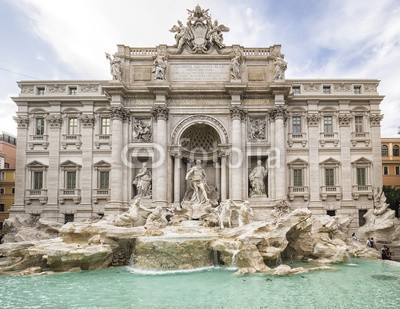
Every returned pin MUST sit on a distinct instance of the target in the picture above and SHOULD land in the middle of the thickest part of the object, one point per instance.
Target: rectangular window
(69, 218)
(296, 90)
(72, 126)
(361, 176)
(13, 190)
(6, 165)
(2, 207)
(357, 89)
(298, 177)
(397, 170)
(331, 213)
(329, 177)
(2, 191)
(71, 180)
(328, 127)
(104, 180)
(385, 170)
(40, 91)
(37, 180)
(326, 89)
(105, 126)
(358, 120)
(296, 124)
(73, 90)
(3, 175)
(39, 126)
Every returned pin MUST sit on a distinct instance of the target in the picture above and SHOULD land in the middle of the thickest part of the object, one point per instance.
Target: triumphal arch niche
(203, 118)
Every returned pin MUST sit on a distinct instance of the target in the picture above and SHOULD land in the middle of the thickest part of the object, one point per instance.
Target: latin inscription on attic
(199, 72)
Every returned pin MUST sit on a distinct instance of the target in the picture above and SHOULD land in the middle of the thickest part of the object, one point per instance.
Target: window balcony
(362, 137)
(329, 138)
(71, 139)
(359, 190)
(297, 138)
(36, 194)
(330, 191)
(102, 139)
(101, 194)
(70, 194)
(298, 191)
(42, 140)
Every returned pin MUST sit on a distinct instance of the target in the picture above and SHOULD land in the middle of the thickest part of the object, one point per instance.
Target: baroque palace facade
(89, 147)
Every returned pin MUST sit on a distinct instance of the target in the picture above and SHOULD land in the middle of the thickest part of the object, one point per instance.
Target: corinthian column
(160, 164)
(118, 115)
(237, 114)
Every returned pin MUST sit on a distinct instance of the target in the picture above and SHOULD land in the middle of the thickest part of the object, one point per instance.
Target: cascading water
(234, 255)
(279, 259)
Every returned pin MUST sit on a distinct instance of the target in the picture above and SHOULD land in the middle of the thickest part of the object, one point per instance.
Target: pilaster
(345, 136)
(313, 120)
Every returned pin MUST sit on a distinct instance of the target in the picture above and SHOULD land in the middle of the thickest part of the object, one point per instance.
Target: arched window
(396, 151)
(384, 151)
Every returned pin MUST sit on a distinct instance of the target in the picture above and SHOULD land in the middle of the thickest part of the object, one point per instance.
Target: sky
(57, 39)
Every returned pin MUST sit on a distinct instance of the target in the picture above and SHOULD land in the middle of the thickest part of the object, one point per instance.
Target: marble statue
(225, 214)
(131, 216)
(382, 205)
(236, 63)
(200, 34)
(245, 211)
(141, 131)
(257, 180)
(160, 68)
(257, 129)
(115, 67)
(157, 218)
(280, 68)
(142, 182)
(198, 182)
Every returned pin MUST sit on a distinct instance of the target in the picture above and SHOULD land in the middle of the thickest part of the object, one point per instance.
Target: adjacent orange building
(390, 150)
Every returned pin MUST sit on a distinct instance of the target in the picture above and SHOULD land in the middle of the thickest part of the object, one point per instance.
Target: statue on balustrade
(142, 182)
(115, 67)
(257, 180)
(160, 68)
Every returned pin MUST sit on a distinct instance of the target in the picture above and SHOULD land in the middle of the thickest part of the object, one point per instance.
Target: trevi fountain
(203, 251)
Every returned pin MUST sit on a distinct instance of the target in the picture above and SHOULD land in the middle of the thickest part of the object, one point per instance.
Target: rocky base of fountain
(251, 248)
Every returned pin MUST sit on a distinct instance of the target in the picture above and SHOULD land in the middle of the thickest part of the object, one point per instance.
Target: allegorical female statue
(257, 180)
(197, 178)
(142, 182)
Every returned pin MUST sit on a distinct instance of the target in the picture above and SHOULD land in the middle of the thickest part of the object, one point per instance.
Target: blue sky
(57, 39)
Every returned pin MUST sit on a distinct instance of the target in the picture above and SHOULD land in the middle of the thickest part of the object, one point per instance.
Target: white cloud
(7, 110)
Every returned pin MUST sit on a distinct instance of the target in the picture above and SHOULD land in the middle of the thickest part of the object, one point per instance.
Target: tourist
(1, 238)
(354, 236)
(369, 243)
(386, 253)
(373, 245)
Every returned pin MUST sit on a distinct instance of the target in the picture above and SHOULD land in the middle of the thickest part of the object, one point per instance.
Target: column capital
(54, 121)
(278, 112)
(344, 120)
(375, 120)
(87, 121)
(313, 119)
(160, 112)
(237, 113)
(118, 112)
(22, 122)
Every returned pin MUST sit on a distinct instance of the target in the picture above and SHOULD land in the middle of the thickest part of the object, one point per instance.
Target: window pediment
(362, 161)
(70, 163)
(330, 161)
(298, 162)
(36, 164)
(102, 164)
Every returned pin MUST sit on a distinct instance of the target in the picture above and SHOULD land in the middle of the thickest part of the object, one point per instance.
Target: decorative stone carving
(142, 182)
(54, 121)
(245, 211)
(344, 119)
(312, 87)
(225, 214)
(27, 90)
(257, 180)
(370, 87)
(56, 88)
(313, 119)
(141, 130)
(22, 122)
(115, 67)
(87, 121)
(89, 88)
(342, 87)
(200, 35)
(257, 129)
(375, 120)
(237, 112)
(280, 68)
(236, 63)
(278, 112)
(160, 112)
(118, 112)
(160, 68)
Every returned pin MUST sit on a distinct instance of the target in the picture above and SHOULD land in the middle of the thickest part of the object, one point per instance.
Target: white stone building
(81, 144)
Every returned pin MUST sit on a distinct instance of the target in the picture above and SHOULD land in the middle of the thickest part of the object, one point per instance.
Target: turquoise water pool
(360, 284)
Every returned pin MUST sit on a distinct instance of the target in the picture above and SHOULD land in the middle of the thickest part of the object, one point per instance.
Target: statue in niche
(141, 131)
(142, 182)
(198, 182)
(257, 129)
(115, 67)
(245, 211)
(160, 68)
(280, 68)
(257, 180)
(236, 63)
